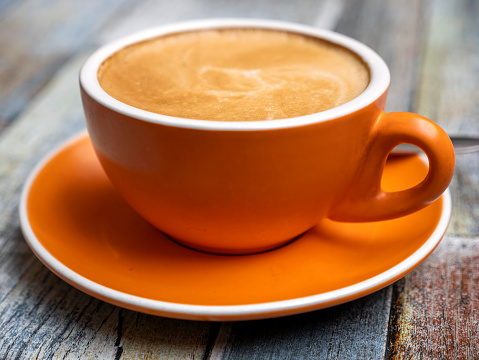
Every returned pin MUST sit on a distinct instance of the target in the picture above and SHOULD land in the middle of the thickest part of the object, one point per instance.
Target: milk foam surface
(234, 75)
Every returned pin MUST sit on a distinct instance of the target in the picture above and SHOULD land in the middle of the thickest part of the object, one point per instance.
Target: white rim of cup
(379, 75)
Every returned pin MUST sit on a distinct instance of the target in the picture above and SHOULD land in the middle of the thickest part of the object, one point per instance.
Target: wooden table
(431, 48)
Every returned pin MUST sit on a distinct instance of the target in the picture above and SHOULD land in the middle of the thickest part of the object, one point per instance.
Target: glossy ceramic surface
(248, 186)
(81, 229)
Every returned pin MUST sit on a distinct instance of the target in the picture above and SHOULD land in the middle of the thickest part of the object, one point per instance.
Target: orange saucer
(79, 227)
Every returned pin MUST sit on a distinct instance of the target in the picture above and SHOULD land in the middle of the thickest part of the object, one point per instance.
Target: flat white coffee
(234, 75)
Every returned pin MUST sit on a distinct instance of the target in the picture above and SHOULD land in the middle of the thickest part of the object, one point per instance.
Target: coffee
(234, 75)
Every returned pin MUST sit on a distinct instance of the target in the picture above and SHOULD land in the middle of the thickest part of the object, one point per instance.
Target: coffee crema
(234, 75)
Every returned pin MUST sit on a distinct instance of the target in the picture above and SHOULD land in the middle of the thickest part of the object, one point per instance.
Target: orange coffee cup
(249, 186)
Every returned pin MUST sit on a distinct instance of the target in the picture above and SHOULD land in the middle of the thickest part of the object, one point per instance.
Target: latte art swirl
(309, 83)
(234, 75)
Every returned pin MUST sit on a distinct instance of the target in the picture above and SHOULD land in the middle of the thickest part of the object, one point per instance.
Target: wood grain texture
(465, 194)
(448, 89)
(37, 37)
(448, 93)
(436, 312)
(353, 331)
(154, 13)
(47, 318)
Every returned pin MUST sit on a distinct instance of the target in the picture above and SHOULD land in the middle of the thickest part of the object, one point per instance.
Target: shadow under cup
(242, 187)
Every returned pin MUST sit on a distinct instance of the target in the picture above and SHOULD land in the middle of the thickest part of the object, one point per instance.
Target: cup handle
(366, 201)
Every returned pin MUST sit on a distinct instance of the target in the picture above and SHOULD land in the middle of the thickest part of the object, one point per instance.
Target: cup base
(231, 251)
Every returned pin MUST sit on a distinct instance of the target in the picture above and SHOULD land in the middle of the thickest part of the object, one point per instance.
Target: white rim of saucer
(226, 312)
(379, 73)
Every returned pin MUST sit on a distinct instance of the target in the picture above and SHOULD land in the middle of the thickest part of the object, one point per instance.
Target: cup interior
(378, 84)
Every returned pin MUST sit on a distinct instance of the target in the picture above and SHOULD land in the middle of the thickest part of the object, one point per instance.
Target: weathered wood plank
(437, 308)
(45, 317)
(449, 94)
(353, 331)
(465, 195)
(155, 13)
(37, 37)
(448, 91)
